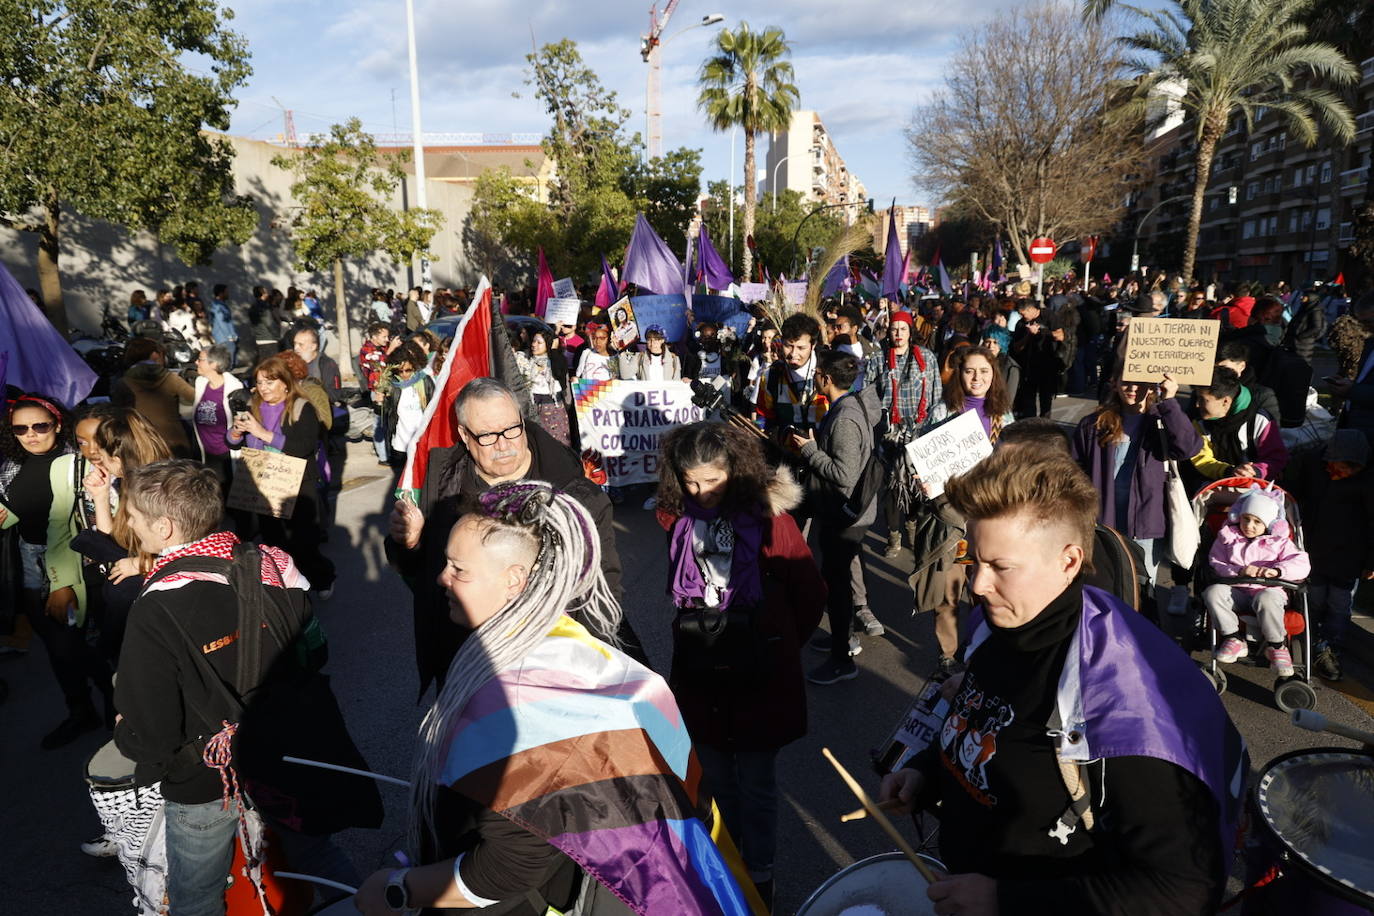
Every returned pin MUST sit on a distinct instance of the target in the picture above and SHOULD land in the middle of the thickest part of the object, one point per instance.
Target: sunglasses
(41, 429)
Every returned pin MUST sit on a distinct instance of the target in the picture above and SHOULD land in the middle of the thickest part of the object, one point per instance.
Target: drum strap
(1078, 783)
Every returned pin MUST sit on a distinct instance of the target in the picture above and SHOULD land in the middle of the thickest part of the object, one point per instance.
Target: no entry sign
(1042, 250)
(1087, 249)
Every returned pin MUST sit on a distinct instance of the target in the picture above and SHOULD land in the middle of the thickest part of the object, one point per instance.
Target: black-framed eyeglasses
(510, 432)
(41, 429)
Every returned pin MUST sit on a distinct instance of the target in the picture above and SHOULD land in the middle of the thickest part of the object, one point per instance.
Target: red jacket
(1237, 313)
(771, 714)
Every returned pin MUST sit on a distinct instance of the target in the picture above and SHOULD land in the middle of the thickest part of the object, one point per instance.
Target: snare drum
(131, 816)
(1315, 817)
(882, 885)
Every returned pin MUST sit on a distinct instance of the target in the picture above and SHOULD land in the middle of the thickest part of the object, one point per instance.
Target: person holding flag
(475, 436)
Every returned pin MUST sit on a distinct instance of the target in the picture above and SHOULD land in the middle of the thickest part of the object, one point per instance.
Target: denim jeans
(1329, 600)
(200, 850)
(745, 787)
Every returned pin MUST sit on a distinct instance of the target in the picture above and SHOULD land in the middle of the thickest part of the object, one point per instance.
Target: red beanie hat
(902, 317)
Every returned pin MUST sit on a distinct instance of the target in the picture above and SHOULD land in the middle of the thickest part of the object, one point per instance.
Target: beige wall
(101, 263)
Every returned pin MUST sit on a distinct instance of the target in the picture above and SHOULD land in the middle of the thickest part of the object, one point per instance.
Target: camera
(239, 401)
(708, 397)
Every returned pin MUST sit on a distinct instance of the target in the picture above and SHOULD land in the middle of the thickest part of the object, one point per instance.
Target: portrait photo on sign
(624, 328)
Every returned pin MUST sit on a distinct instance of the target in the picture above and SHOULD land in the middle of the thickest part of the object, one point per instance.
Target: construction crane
(649, 50)
(288, 135)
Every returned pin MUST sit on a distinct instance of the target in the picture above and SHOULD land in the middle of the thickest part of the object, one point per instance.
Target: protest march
(397, 522)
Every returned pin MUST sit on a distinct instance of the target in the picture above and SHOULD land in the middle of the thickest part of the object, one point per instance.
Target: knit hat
(1348, 445)
(901, 317)
(1259, 505)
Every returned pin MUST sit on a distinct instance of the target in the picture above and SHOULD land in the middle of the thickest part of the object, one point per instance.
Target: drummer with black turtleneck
(1068, 689)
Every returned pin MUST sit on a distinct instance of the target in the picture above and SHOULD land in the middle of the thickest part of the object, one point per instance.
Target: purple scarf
(1129, 691)
(977, 406)
(271, 421)
(746, 582)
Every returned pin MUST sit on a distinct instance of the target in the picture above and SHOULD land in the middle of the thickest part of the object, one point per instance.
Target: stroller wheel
(1218, 679)
(1295, 693)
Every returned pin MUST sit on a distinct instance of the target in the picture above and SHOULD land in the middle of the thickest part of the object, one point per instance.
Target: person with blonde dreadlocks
(553, 770)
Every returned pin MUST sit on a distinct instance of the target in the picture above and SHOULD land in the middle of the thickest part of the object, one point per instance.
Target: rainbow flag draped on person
(584, 747)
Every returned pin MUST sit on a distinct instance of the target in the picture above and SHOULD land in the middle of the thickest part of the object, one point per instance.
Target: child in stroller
(1255, 543)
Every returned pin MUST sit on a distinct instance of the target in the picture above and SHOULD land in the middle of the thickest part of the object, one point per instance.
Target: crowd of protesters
(766, 508)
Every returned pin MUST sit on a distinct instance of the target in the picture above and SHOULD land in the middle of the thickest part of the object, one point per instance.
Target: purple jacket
(1147, 515)
(1129, 691)
(1232, 552)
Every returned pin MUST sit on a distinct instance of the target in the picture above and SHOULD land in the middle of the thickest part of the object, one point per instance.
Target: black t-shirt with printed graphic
(1153, 849)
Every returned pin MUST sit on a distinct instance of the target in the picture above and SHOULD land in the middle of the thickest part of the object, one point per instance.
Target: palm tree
(1229, 56)
(748, 83)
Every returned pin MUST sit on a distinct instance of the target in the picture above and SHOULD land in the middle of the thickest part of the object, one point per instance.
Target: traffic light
(869, 206)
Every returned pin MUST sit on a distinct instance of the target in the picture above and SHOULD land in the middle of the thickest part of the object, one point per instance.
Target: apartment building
(803, 158)
(1274, 209)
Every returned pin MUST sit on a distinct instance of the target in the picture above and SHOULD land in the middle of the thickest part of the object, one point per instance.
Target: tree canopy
(102, 115)
(600, 182)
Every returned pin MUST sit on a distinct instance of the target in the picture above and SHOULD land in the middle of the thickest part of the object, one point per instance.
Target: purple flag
(649, 264)
(543, 290)
(46, 364)
(834, 281)
(711, 266)
(892, 258)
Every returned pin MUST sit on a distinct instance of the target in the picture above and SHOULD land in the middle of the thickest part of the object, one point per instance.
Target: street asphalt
(45, 812)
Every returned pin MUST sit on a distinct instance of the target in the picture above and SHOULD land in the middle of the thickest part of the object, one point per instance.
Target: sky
(862, 64)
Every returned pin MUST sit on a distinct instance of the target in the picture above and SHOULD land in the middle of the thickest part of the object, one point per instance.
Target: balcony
(1367, 69)
(1352, 180)
(1364, 123)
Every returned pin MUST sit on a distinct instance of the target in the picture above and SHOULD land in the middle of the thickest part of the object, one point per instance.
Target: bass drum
(881, 885)
(1315, 843)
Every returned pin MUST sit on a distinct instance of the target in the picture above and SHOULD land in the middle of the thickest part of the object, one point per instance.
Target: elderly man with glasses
(498, 446)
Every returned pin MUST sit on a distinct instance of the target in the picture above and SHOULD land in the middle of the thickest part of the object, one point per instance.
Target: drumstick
(1314, 721)
(342, 769)
(296, 876)
(876, 813)
(890, 805)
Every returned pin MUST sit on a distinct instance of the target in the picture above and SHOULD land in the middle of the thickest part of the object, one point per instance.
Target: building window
(1248, 230)
(1324, 218)
(1213, 203)
(1311, 173)
(1260, 112)
(1251, 190)
(1306, 220)
(1293, 221)
(1326, 171)
(1273, 226)
(1256, 150)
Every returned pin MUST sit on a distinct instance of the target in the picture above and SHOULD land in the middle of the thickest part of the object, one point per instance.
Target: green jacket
(63, 563)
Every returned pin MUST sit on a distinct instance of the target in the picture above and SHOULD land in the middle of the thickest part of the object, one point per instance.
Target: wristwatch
(397, 897)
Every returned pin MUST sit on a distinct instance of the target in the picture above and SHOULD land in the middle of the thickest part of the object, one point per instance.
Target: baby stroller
(1210, 506)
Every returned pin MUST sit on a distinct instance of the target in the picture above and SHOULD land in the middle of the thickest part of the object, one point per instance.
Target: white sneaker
(102, 847)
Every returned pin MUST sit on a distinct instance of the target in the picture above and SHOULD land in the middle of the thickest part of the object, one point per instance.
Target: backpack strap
(1077, 782)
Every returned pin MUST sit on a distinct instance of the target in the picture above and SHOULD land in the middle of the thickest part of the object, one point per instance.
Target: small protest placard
(753, 292)
(564, 289)
(562, 311)
(1185, 349)
(624, 330)
(668, 312)
(266, 483)
(949, 450)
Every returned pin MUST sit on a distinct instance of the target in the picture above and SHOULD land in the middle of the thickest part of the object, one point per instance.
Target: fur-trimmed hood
(784, 493)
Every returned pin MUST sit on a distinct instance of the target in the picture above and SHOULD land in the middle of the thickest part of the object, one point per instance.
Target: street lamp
(775, 181)
(652, 50)
(1135, 244)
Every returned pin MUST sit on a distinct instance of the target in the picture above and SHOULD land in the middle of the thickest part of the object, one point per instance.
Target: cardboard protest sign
(564, 289)
(266, 483)
(668, 312)
(949, 450)
(794, 293)
(562, 311)
(1185, 349)
(624, 422)
(624, 329)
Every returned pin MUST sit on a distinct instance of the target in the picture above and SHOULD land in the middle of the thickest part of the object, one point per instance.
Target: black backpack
(285, 709)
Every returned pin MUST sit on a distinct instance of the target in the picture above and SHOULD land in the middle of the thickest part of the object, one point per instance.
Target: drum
(882, 885)
(1315, 808)
(131, 816)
